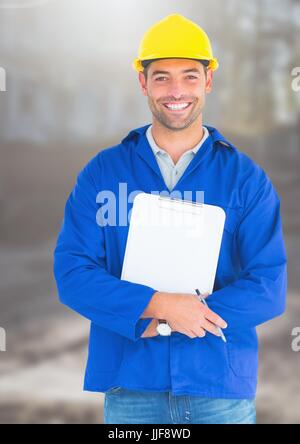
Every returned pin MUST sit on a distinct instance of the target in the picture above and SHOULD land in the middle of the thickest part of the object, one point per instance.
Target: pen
(205, 303)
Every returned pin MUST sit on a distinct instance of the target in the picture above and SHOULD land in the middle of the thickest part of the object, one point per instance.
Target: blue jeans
(124, 406)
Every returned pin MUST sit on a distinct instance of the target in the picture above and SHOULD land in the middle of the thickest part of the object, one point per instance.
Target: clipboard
(173, 245)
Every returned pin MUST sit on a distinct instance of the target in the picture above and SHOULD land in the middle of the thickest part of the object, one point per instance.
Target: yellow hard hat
(175, 36)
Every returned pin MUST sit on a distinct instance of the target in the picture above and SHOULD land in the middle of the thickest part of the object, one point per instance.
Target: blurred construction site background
(67, 90)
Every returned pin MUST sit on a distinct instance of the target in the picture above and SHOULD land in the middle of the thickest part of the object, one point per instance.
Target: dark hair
(146, 64)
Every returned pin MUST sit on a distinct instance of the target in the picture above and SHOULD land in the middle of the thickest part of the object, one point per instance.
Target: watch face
(164, 329)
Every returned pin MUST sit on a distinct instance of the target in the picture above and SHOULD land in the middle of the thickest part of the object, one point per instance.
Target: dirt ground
(41, 373)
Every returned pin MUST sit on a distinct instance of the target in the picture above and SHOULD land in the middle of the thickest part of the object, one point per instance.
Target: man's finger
(214, 318)
(210, 327)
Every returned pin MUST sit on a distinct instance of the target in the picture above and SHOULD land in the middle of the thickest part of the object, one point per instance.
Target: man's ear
(143, 83)
(209, 76)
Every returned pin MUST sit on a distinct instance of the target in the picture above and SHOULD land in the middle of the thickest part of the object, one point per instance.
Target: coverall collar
(143, 149)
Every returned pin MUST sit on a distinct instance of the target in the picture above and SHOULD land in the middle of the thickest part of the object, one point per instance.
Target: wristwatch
(163, 328)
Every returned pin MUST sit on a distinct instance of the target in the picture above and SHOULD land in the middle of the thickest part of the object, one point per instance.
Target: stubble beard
(175, 124)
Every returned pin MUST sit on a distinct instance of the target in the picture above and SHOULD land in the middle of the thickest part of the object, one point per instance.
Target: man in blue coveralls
(191, 375)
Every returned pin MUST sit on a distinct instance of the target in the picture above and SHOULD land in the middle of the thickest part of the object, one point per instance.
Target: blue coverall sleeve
(259, 292)
(82, 280)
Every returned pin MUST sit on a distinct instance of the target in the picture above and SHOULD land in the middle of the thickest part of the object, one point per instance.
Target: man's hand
(186, 314)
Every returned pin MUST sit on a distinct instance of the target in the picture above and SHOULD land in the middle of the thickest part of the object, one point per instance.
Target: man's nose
(175, 90)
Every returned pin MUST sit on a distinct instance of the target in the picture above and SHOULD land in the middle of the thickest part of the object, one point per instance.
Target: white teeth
(179, 106)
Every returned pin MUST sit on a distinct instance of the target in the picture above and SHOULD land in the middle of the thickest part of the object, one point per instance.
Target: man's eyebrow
(184, 71)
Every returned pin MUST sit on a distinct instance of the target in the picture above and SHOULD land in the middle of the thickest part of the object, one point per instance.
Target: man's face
(176, 91)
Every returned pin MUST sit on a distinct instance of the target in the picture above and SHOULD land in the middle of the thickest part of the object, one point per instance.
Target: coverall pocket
(242, 348)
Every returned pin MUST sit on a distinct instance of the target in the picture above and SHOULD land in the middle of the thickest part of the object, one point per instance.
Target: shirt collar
(137, 139)
(138, 133)
(156, 149)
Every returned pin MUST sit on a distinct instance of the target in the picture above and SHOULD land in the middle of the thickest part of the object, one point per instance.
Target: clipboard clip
(183, 201)
(191, 204)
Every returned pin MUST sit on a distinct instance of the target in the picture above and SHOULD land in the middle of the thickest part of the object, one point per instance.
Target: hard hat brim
(139, 64)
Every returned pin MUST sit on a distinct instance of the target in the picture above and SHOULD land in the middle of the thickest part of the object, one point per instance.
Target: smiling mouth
(177, 107)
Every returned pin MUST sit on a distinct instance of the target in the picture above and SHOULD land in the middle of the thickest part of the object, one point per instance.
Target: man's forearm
(156, 307)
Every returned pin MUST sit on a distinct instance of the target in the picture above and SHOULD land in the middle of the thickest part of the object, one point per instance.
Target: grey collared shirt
(172, 172)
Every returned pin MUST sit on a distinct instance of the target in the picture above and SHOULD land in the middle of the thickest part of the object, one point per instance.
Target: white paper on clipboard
(173, 245)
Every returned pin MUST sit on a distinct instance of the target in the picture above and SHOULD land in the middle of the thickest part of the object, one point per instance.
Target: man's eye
(163, 77)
